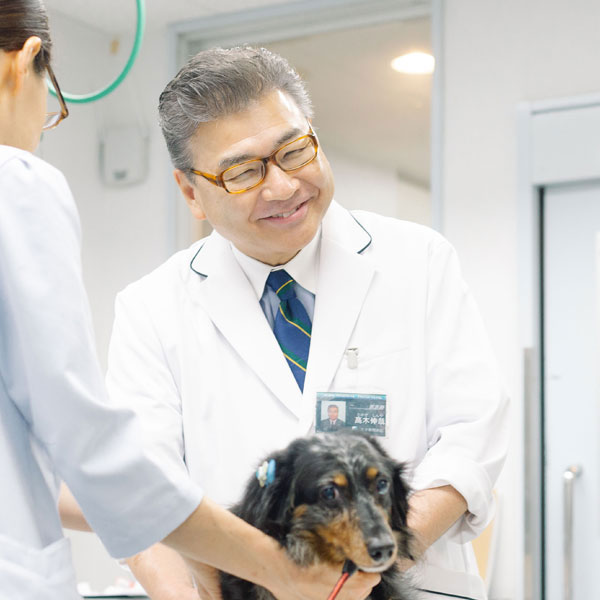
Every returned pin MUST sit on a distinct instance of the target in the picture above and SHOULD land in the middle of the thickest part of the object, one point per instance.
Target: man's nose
(278, 185)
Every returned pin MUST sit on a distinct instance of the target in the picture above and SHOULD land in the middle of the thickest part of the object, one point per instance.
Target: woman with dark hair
(54, 420)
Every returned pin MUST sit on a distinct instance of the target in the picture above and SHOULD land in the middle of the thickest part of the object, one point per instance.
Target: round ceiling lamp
(415, 63)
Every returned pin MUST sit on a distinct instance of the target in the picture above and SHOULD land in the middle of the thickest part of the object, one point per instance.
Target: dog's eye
(330, 493)
(383, 486)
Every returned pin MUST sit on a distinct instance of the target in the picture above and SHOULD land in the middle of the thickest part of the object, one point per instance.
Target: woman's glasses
(54, 118)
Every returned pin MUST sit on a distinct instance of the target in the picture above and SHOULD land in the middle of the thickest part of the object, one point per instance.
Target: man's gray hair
(220, 82)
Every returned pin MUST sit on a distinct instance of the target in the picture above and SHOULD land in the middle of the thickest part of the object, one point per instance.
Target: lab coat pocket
(33, 574)
(385, 373)
(371, 372)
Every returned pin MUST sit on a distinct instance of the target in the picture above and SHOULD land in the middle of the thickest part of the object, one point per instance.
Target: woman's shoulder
(26, 177)
(23, 168)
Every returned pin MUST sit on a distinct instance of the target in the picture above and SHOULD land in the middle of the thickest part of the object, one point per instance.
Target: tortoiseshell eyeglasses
(251, 173)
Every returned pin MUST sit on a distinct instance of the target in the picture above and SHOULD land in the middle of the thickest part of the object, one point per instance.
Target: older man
(229, 348)
(332, 422)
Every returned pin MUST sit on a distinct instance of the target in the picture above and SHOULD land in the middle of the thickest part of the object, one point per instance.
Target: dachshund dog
(329, 498)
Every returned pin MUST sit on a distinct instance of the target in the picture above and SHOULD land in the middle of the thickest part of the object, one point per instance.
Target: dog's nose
(381, 549)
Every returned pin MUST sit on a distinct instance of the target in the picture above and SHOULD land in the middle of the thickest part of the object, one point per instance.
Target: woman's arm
(70, 512)
(214, 536)
(163, 574)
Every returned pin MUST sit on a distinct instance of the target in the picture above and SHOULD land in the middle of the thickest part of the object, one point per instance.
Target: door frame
(545, 158)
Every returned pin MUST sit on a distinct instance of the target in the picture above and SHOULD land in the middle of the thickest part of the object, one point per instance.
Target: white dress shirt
(303, 268)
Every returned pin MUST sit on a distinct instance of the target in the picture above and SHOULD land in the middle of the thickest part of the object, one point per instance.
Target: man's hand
(431, 513)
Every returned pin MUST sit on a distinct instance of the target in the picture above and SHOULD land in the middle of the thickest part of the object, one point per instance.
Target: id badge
(363, 412)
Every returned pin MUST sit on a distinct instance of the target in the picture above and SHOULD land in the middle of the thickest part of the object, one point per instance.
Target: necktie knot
(282, 284)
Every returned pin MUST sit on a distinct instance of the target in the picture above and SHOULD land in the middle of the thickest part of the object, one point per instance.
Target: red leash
(347, 572)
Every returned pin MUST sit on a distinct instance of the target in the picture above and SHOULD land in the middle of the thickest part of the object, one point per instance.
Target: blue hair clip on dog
(266, 473)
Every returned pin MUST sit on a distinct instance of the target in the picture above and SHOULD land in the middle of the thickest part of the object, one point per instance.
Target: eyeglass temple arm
(64, 109)
(214, 179)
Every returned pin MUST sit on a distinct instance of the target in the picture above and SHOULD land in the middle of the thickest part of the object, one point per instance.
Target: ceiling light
(414, 63)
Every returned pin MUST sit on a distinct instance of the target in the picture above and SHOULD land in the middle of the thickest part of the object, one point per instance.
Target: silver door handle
(569, 476)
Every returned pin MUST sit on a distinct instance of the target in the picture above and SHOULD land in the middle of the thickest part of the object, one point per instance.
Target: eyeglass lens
(52, 120)
(290, 157)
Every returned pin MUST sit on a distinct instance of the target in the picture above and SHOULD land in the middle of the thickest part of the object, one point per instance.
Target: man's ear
(190, 193)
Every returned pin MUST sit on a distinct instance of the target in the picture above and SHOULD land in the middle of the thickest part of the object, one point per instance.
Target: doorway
(571, 233)
(560, 229)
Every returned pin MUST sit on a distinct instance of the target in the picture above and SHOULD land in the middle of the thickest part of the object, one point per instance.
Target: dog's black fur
(334, 497)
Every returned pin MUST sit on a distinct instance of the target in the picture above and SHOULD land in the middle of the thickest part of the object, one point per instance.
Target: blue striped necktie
(292, 325)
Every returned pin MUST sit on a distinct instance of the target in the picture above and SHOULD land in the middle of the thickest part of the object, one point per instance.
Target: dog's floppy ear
(400, 496)
(400, 493)
(400, 490)
(266, 506)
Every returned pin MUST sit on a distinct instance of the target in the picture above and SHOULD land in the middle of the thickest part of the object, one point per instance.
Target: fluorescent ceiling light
(414, 63)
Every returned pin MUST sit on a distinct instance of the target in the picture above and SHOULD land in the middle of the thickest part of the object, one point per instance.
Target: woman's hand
(308, 585)
(213, 535)
(317, 582)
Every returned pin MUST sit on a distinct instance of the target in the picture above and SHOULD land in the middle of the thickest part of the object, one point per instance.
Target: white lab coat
(192, 352)
(54, 420)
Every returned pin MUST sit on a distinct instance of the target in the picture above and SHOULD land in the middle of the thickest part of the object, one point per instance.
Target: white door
(571, 311)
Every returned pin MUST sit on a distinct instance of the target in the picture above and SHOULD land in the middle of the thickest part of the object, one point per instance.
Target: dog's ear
(400, 493)
(267, 507)
(400, 496)
(400, 490)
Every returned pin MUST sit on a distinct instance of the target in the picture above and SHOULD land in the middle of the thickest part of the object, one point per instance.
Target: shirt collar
(303, 267)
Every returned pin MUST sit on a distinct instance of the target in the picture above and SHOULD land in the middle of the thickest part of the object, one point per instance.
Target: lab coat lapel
(343, 282)
(220, 286)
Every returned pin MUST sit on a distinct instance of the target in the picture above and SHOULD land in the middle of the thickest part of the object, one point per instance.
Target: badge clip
(352, 358)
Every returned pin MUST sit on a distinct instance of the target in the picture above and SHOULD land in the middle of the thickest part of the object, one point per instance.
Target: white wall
(497, 54)
(378, 190)
(126, 231)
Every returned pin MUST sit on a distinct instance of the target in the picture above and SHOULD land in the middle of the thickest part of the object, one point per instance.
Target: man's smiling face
(275, 220)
